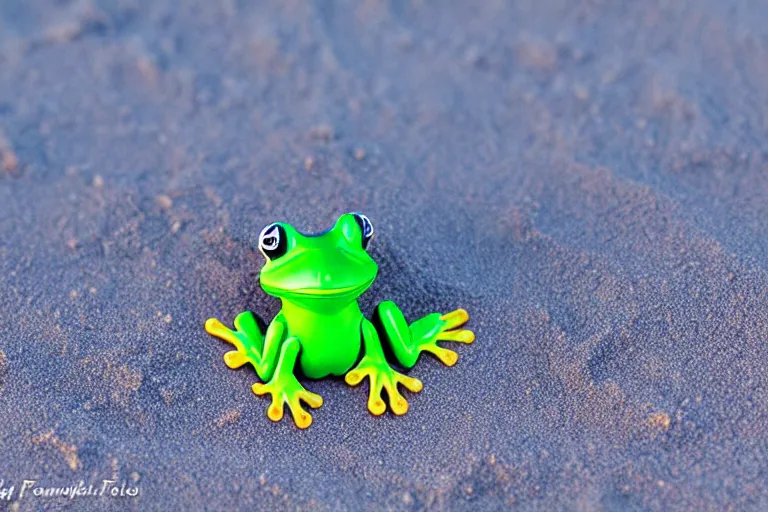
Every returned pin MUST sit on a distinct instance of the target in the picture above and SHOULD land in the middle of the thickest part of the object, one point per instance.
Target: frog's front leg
(251, 345)
(408, 342)
(382, 377)
(262, 352)
(284, 388)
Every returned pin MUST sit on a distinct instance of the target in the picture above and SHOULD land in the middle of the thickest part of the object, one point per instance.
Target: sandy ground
(588, 178)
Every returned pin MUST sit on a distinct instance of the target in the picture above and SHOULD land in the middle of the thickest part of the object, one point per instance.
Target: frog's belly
(329, 355)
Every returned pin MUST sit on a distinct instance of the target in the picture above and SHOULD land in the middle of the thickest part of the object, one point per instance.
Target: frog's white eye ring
(366, 228)
(272, 241)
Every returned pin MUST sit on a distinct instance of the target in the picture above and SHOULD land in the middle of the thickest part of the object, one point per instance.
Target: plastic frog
(318, 278)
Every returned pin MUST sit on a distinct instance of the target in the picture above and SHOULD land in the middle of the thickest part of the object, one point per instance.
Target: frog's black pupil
(366, 228)
(273, 243)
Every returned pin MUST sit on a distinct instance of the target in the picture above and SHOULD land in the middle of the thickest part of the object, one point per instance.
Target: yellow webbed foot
(247, 339)
(383, 378)
(291, 393)
(286, 389)
(427, 331)
(449, 331)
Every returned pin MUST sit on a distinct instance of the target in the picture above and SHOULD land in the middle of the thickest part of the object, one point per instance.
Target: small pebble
(164, 201)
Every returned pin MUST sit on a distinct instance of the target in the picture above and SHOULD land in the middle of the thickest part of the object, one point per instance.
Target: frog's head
(324, 271)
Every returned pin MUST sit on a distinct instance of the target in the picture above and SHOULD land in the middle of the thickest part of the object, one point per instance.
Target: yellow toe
(376, 405)
(411, 384)
(354, 378)
(461, 335)
(301, 417)
(455, 318)
(235, 359)
(448, 357)
(218, 329)
(260, 389)
(312, 399)
(212, 325)
(397, 403)
(275, 411)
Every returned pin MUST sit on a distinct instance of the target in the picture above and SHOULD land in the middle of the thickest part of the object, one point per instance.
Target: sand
(587, 179)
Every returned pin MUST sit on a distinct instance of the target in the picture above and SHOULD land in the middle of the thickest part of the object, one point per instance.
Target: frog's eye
(272, 241)
(365, 227)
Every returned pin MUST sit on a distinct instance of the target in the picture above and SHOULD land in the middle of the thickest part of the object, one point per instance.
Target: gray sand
(588, 179)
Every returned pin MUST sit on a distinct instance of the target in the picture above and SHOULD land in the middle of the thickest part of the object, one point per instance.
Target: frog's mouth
(327, 292)
(320, 293)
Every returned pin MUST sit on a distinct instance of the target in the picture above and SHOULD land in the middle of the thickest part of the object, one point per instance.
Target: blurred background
(587, 178)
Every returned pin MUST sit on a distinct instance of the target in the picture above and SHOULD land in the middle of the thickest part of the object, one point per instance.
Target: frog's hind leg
(285, 389)
(382, 377)
(407, 342)
(251, 344)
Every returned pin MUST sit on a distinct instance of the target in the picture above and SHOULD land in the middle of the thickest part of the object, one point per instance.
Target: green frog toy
(318, 278)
